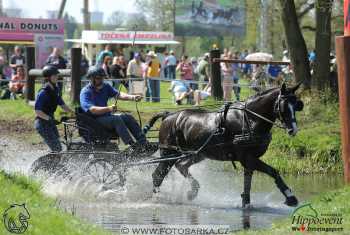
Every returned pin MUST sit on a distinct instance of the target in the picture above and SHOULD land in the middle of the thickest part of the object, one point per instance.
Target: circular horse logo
(16, 218)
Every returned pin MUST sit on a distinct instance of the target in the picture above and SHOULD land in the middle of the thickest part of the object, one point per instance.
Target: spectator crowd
(189, 77)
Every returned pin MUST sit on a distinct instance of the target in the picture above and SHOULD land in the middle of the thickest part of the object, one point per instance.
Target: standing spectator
(161, 58)
(134, 69)
(164, 65)
(225, 53)
(55, 59)
(131, 55)
(106, 52)
(5, 74)
(235, 78)
(227, 82)
(123, 63)
(242, 57)
(118, 73)
(170, 62)
(185, 69)
(153, 71)
(247, 68)
(17, 81)
(2, 66)
(142, 56)
(105, 66)
(186, 72)
(106, 63)
(312, 56)
(274, 72)
(312, 60)
(195, 76)
(2, 59)
(17, 59)
(203, 68)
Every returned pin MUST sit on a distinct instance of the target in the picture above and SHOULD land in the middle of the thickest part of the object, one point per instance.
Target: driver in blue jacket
(93, 100)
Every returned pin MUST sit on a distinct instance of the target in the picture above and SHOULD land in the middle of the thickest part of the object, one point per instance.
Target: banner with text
(23, 29)
(44, 44)
(140, 36)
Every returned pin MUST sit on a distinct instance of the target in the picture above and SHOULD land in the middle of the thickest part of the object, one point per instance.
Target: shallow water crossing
(218, 201)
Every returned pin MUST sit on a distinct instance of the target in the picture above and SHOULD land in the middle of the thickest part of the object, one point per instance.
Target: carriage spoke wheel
(105, 172)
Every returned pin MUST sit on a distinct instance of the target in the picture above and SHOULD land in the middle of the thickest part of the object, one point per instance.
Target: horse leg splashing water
(193, 129)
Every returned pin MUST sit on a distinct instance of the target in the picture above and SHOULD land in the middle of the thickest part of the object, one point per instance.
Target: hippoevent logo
(306, 218)
(16, 218)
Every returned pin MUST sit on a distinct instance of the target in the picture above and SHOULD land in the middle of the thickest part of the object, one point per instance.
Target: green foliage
(159, 13)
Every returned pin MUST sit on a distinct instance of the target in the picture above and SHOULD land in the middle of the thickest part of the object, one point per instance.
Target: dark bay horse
(193, 128)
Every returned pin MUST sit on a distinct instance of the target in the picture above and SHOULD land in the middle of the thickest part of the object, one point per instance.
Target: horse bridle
(278, 110)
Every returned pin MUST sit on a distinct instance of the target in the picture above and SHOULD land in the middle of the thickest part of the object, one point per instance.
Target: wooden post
(342, 44)
(75, 75)
(216, 74)
(343, 63)
(30, 61)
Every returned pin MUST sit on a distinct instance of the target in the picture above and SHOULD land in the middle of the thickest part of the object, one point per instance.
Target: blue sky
(36, 8)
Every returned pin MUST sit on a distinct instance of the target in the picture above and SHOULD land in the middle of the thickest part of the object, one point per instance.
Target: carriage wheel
(49, 163)
(105, 172)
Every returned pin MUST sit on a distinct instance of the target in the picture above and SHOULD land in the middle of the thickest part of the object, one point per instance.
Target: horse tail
(151, 122)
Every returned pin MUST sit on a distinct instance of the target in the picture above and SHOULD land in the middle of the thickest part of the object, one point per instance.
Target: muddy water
(218, 201)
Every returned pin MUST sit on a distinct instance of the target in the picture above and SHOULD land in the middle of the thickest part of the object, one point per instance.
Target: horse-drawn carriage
(90, 150)
(238, 132)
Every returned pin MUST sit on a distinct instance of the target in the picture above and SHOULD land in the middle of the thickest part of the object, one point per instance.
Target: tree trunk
(323, 43)
(264, 25)
(296, 43)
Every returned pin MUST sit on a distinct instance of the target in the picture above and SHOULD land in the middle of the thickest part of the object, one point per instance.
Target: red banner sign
(139, 35)
(347, 17)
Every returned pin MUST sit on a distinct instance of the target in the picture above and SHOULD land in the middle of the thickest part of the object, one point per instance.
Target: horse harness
(247, 138)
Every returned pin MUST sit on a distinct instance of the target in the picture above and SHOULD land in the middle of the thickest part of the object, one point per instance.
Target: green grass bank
(331, 203)
(45, 217)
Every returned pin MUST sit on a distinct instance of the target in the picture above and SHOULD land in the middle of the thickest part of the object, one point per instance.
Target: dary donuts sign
(24, 25)
(45, 34)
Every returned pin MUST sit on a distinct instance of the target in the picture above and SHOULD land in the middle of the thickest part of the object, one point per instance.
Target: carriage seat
(92, 131)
